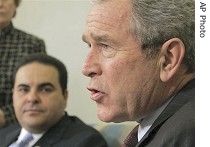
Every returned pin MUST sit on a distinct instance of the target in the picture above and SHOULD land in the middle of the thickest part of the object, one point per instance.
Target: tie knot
(132, 138)
(24, 141)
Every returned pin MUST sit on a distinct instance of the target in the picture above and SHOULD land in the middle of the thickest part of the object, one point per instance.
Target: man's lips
(33, 109)
(96, 95)
(2, 12)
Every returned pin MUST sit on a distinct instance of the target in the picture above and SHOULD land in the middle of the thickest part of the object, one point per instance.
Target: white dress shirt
(147, 122)
(36, 137)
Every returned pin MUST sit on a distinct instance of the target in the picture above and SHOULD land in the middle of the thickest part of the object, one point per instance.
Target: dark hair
(47, 60)
(17, 2)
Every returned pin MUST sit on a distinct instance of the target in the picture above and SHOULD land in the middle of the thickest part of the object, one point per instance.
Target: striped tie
(24, 142)
(132, 138)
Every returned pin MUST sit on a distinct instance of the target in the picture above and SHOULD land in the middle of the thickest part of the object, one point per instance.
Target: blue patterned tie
(24, 142)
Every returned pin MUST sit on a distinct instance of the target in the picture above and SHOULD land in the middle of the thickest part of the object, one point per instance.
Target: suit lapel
(54, 134)
(11, 137)
(184, 96)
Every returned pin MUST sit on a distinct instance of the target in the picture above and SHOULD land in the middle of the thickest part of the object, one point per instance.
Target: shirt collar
(36, 137)
(147, 122)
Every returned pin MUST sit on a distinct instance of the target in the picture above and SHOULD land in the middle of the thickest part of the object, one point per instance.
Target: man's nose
(91, 66)
(33, 96)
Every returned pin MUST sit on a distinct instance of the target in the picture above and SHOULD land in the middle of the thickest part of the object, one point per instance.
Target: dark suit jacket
(70, 131)
(175, 127)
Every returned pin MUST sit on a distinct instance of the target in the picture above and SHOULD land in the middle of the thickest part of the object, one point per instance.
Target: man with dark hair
(14, 44)
(40, 97)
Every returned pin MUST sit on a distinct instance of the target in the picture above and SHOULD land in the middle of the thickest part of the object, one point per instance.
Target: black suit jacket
(70, 131)
(175, 127)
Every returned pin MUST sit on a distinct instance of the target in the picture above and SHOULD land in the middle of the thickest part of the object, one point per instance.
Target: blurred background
(60, 23)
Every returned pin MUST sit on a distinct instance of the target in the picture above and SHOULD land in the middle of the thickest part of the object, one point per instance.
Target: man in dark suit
(141, 66)
(175, 126)
(40, 97)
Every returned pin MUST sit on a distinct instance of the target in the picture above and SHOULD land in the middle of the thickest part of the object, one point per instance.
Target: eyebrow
(40, 85)
(102, 38)
(23, 85)
(46, 84)
(97, 38)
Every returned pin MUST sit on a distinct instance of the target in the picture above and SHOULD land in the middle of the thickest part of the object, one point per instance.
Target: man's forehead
(110, 10)
(36, 71)
(103, 17)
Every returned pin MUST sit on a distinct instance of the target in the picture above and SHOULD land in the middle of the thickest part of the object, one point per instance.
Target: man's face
(7, 10)
(38, 99)
(122, 79)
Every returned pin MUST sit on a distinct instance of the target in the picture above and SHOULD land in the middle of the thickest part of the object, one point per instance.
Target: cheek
(16, 101)
(123, 73)
(121, 80)
(56, 104)
(127, 79)
(11, 10)
(18, 105)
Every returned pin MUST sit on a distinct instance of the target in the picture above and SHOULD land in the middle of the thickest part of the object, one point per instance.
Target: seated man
(40, 98)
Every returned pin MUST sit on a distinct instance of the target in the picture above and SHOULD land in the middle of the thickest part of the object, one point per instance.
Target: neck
(183, 81)
(4, 25)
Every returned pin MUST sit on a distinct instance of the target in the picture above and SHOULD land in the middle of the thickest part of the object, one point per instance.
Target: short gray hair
(155, 21)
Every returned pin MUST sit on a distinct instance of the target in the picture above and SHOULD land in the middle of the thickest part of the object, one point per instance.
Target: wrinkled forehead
(111, 10)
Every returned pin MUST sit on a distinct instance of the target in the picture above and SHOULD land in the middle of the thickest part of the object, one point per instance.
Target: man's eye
(47, 89)
(105, 47)
(23, 89)
(108, 51)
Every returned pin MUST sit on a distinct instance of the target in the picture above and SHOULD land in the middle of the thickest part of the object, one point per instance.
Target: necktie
(132, 138)
(24, 142)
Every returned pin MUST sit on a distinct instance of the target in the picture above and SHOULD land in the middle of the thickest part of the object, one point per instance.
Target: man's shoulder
(9, 129)
(76, 122)
(26, 35)
(71, 130)
(74, 125)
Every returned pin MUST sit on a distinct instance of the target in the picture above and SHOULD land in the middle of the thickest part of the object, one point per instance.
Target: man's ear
(66, 96)
(171, 55)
